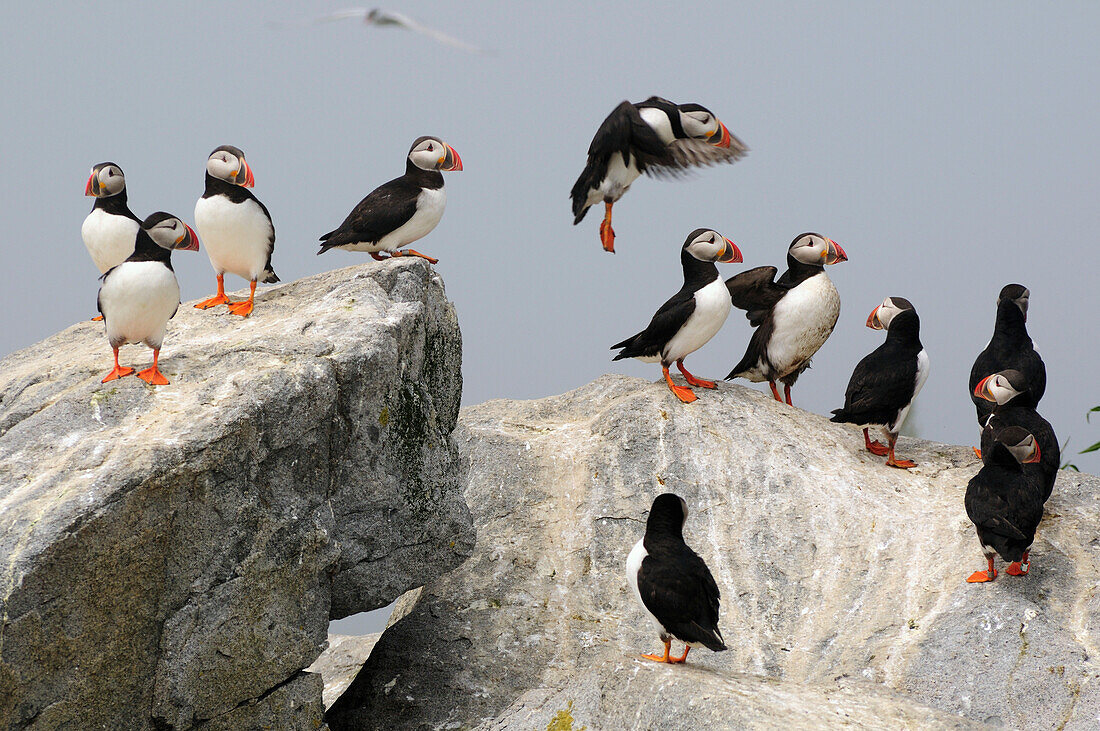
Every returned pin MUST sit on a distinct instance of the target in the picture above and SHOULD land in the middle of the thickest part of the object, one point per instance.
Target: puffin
(655, 137)
(690, 317)
(1009, 348)
(236, 227)
(673, 583)
(885, 383)
(140, 295)
(793, 315)
(1005, 502)
(1009, 393)
(111, 227)
(397, 213)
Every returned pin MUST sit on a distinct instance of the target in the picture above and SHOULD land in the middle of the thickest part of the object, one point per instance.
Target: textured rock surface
(844, 593)
(171, 556)
(340, 662)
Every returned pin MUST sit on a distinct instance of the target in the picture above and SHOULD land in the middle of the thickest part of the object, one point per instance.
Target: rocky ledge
(844, 600)
(170, 557)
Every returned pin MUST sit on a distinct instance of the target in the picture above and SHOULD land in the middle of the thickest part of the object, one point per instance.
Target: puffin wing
(878, 389)
(756, 292)
(683, 154)
(269, 274)
(683, 597)
(384, 210)
(665, 323)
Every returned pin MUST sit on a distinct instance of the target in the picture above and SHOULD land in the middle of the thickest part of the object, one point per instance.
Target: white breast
(236, 235)
(138, 298)
(429, 210)
(922, 376)
(802, 322)
(616, 182)
(712, 307)
(633, 566)
(109, 238)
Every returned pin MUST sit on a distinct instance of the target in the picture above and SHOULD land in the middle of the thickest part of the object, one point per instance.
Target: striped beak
(721, 138)
(834, 254)
(451, 161)
(92, 186)
(730, 254)
(873, 321)
(189, 241)
(1034, 456)
(982, 389)
(249, 179)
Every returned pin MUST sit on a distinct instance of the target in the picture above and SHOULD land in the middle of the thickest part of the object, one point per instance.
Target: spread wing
(384, 210)
(665, 323)
(683, 154)
(756, 292)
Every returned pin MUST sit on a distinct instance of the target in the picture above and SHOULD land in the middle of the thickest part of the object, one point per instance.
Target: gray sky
(949, 147)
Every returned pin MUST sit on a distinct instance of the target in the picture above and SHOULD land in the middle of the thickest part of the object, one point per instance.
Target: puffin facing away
(1009, 393)
(655, 137)
(1009, 348)
(399, 212)
(236, 227)
(673, 583)
(139, 296)
(793, 316)
(885, 383)
(110, 229)
(692, 316)
(1005, 502)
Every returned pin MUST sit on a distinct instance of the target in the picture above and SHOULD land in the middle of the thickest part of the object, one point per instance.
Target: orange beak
(730, 253)
(191, 238)
(982, 392)
(249, 180)
(456, 161)
(723, 136)
(1035, 457)
(872, 320)
(89, 188)
(835, 254)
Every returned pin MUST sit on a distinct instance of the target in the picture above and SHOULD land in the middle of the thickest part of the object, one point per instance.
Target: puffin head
(106, 180)
(669, 512)
(1021, 443)
(1018, 294)
(1001, 387)
(432, 153)
(169, 232)
(707, 245)
(227, 163)
(816, 250)
(700, 123)
(881, 317)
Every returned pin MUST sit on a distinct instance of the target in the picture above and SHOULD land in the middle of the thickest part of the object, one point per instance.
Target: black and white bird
(1010, 348)
(1005, 502)
(885, 383)
(397, 213)
(1009, 393)
(793, 315)
(139, 296)
(655, 137)
(110, 229)
(673, 583)
(235, 226)
(692, 316)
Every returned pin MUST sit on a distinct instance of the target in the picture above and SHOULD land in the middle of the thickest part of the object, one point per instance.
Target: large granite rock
(844, 598)
(170, 557)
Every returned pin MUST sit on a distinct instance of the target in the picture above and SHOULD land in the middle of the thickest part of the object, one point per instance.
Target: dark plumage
(1010, 348)
(672, 581)
(1008, 392)
(1005, 502)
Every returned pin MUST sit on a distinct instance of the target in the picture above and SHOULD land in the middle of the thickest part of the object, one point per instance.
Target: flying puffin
(236, 227)
(885, 383)
(672, 582)
(1005, 502)
(139, 296)
(1009, 348)
(110, 229)
(793, 316)
(399, 212)
(1009, 393)
(655, 137)
(692, 316)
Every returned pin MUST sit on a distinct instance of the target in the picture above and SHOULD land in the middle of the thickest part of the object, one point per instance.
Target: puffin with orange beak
(236, 227)
(692, 316)
(139, 296)
(111, 227)
(1009, 393)
(405, 209)
(885, 383)
(793, 315)
(655, 137)
(1010, 348)
(1004, 501)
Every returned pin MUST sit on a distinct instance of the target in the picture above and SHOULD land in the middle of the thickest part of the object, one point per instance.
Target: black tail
(270, 277)
(840, 417)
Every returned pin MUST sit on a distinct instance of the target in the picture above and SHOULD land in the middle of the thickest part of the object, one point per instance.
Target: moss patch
(563, 720)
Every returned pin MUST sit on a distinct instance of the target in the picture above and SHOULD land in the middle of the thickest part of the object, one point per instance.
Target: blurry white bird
(380, 17)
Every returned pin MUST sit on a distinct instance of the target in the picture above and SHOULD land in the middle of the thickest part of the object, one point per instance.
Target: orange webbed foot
(117, 372)
(153, 376)
(979, 577)
(607, 237)
(699, 382)
(903, 464)
(977, 452)
(414, 252)
(218, 299)
(244, 309)
(877, 447)
(657, 658)
(97, 318)
(1017, 568)
(684, 393)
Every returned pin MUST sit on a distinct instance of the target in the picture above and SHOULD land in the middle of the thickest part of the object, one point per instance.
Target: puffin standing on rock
(1005, 502)
(673, 583)
(793, 316)
(655, 137)
(236, 227)
(885, 383)
(1009, 348)
(403, 210)
(110, 229)
(692, 316)
(1010, 394)
(139, 296)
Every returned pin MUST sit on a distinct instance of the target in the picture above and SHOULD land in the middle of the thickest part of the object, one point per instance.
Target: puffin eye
(431, 148)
